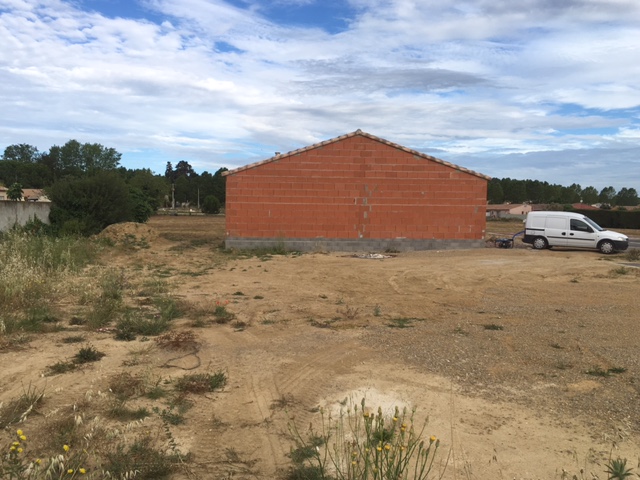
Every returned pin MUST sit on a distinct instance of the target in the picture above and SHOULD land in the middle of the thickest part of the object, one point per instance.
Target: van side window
(580, 226)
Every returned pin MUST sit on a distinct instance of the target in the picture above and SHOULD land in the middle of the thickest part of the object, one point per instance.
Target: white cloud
(221, 85)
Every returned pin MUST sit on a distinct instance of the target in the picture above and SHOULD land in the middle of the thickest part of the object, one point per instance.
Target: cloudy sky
(539, 89)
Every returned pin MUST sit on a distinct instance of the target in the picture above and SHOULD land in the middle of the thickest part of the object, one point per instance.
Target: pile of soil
(129, 233)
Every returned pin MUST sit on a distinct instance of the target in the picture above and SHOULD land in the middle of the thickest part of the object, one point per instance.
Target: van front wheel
(540, 243)
(606, 247)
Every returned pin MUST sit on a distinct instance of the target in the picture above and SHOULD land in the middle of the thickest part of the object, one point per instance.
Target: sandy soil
(501, 349)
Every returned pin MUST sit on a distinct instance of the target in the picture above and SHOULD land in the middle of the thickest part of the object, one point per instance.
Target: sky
(528, 89)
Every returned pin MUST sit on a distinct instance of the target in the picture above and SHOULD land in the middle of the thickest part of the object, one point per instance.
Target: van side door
(581, 234)
(556, 230)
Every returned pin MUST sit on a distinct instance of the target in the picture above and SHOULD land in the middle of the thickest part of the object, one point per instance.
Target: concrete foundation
(346, 245)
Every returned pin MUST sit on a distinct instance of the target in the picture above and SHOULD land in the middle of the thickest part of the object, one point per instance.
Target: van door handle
(571, 234)
(564, 233)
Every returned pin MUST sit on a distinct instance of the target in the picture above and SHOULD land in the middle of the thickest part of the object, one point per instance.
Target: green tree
(15, 192)
(607, 195)
(590, 195)
(211, 205)
(75, 159)
(22, 152)
(87, 205)
(627, 197)
(495, 194)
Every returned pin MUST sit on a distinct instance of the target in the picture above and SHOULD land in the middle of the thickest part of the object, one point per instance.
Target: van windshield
(595, 226)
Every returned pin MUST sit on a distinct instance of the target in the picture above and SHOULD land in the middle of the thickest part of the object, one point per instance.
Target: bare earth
(500, 348)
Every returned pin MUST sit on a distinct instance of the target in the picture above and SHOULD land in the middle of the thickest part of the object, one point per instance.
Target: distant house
(34, 195)
(3, 193)
(352, 193)
(584, 206)
(508, 210)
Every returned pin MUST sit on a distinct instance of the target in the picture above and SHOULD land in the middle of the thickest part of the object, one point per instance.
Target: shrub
(211, 205)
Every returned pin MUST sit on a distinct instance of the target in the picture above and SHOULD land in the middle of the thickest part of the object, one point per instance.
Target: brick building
(356, 192)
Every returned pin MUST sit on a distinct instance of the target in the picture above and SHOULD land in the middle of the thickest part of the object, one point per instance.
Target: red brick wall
(355, 188)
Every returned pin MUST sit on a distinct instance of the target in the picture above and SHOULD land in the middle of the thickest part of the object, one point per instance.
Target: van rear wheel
(606, 247)
(540, 243)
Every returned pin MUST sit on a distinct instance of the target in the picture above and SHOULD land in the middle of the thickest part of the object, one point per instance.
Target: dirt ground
(526, 362)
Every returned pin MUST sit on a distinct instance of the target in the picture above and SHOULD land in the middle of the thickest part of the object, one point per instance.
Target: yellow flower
(387, 447)
(395, 419)
(19, 432)
(38, 461)
(20, 450)
(70, 471)
(15, 444)
(13, 448)
(23, 437)
(365, 414)
(354, 463)
(82, 471)
(65, 448)
(432, 438)
(379, 448)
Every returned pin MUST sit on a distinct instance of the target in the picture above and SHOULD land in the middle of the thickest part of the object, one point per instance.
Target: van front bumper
(620, 245)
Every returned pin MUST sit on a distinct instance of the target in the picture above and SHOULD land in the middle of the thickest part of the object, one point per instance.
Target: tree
(88, 205)
(627, 197)
(77, 160)
(607, 195)
(22, 152)
(15, 192)
(590, 195)
(495, 194)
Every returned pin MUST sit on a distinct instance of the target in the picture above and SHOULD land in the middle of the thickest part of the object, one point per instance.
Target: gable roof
(349, 135)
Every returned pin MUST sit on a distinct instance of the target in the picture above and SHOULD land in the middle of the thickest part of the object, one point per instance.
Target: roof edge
(349, 135)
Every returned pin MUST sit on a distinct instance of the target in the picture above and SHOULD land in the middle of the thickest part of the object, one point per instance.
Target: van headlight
(622, 239)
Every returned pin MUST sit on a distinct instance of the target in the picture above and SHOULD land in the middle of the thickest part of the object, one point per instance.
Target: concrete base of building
(349, 245)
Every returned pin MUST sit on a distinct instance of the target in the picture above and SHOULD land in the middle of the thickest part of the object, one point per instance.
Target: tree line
(503, 190)
(90, 190)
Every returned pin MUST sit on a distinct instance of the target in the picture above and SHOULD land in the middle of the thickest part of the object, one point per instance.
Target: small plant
(177, 340)
(60, 367)
(87, 354)
(238, 294)
(221, 314)
(377, 311)
(258, 297)
(617, 469)
(201, 382)
(493, 326)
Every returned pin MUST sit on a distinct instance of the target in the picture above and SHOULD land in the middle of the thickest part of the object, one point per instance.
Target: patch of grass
(222, 315)
(401, 322)
(258, 297)
(239, 325)
(238, 294)
(16, 410)
(199, 383)
(633, 254)
(600, 372)
(493, 326)
(87, 354)
(73, 339)
(60, 367)
(151, 462)
(377, 311)
(306, 452)
(133, 324)
(168, 308)
(177, 340)
(125, 386)
(616, 272)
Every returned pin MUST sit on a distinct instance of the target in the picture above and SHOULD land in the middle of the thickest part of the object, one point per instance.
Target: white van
(565, 229)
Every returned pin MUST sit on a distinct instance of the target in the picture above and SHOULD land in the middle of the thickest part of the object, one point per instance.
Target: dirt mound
(129, 233)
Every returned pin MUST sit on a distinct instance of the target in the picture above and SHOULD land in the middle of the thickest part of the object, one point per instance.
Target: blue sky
(522, 89)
